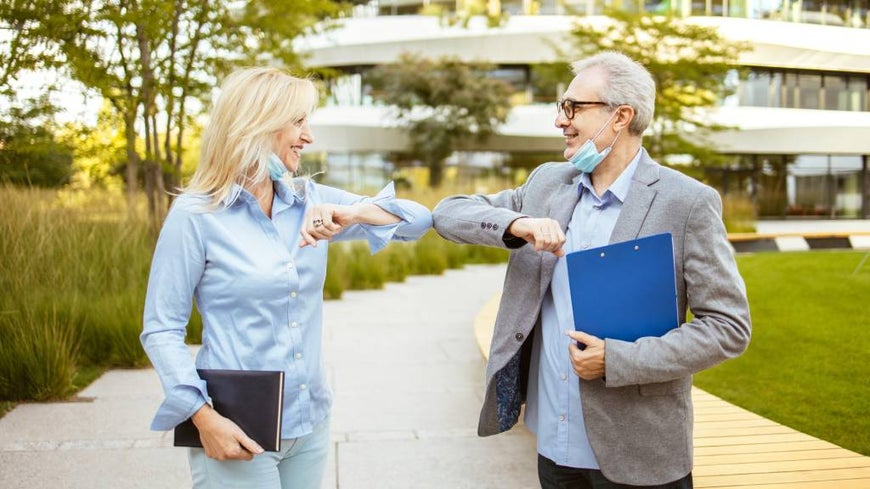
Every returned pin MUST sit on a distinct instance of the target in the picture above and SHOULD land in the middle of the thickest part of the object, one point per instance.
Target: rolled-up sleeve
(178, 264)
(415, 218)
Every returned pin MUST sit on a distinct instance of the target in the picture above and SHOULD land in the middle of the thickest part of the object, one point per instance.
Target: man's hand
(221, 438)
(588, 364)
(543, 233)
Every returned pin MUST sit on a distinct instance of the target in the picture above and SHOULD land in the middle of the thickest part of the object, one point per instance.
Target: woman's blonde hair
(253, 104)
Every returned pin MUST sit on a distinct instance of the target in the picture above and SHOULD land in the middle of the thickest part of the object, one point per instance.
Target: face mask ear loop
(602, 128)
(614, 140)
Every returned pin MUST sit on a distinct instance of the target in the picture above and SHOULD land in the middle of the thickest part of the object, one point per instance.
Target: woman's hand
(221, 438)
(326, 220)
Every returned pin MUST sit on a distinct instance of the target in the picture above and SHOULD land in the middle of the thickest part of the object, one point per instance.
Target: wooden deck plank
(734, 423)
(839, 484)
(762, 448)
(748, 440)
(719, 431)
(832, 476)
(773, 456)
(783, 466)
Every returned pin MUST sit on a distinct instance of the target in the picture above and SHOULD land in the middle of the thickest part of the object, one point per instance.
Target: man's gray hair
(627, 82)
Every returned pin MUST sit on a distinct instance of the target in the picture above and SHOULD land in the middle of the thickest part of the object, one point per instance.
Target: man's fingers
(586, 339)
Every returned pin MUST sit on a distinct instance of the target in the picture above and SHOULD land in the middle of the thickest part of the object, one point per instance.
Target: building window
(825, 186)
(858, 90)
(836, 96)
(805, 186)
(802, 90)
(809, 88)
(755, 91)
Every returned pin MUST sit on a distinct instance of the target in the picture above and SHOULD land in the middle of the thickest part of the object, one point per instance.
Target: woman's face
(290, 141)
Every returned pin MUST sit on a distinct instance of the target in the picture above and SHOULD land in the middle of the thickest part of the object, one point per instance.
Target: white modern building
(801, 111)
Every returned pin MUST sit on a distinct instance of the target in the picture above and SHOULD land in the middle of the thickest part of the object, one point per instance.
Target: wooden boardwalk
(735, 448)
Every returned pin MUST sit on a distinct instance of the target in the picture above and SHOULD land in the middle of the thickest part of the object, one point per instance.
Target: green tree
(30, 151)
(156, 62)
(100, 156)
(689, 63)
(442, 104)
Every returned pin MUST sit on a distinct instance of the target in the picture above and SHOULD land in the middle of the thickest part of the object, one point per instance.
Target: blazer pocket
(662, 388)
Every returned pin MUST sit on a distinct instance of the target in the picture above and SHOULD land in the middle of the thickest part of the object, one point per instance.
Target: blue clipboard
(625, 290)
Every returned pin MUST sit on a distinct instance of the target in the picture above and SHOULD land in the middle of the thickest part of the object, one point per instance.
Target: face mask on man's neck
(587, 157)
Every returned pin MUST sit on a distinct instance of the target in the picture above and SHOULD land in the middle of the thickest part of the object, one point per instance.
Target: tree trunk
(436, 173)
(132, 161)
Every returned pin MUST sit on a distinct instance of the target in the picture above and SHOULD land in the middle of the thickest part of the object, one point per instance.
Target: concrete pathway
(408, 380)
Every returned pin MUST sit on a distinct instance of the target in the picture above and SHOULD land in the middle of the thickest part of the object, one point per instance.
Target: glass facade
(796, 186)
(763, 87)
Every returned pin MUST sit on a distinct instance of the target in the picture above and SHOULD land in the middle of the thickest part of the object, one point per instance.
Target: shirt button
(519, 336)
(294, 324)
(302, 387)
(290, 265)
(564, 377)
(585, 245)
(561, 417)
(298, 356)
(293, 294)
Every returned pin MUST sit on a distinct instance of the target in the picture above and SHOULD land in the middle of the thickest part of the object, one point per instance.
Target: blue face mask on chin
(276, 167)
(587, 156)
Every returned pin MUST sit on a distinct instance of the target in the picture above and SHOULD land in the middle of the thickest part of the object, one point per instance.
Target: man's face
(588, 114)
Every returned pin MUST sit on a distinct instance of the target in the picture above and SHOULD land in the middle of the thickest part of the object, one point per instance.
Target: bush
(37, 356)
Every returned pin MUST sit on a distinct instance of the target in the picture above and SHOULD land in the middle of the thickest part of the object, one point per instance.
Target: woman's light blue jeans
(299, 465)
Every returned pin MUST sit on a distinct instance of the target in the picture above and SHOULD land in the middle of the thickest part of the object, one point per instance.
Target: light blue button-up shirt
(260, 295)
(553, 410)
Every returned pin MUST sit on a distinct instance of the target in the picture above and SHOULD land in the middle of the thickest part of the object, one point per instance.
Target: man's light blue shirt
(259, 294)
(553, 410)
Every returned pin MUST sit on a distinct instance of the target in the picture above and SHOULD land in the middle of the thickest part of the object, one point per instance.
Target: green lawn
(808, 365)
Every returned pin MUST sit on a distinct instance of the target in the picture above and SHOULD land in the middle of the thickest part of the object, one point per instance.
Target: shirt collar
(619, 188)
(286, 193)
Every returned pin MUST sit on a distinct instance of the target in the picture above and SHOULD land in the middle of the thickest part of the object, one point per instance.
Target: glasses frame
(569, 107)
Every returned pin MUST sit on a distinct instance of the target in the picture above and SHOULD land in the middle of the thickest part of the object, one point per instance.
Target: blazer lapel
(561, 208)
(641, 195)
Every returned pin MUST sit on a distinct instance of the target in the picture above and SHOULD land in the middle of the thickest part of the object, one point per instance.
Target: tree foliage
(442, 103)
(30, 151)
(688, 62)
(155, 61)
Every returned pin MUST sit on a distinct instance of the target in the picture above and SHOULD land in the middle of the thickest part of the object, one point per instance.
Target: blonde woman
(249, 243)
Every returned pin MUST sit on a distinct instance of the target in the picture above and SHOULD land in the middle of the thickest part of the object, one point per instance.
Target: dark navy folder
(625, 290)
(253, 399)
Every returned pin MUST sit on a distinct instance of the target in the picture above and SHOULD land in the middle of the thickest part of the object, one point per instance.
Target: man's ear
(624, 116)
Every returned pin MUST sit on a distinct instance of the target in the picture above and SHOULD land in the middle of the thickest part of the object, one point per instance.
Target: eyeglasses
(569, 107)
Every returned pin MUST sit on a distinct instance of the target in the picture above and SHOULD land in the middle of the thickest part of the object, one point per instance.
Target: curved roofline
(526, 39)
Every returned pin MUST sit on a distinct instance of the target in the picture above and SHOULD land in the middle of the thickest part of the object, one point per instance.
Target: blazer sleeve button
(519, 336)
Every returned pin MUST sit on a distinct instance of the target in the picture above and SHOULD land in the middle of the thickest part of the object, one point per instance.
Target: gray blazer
(639, 418)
